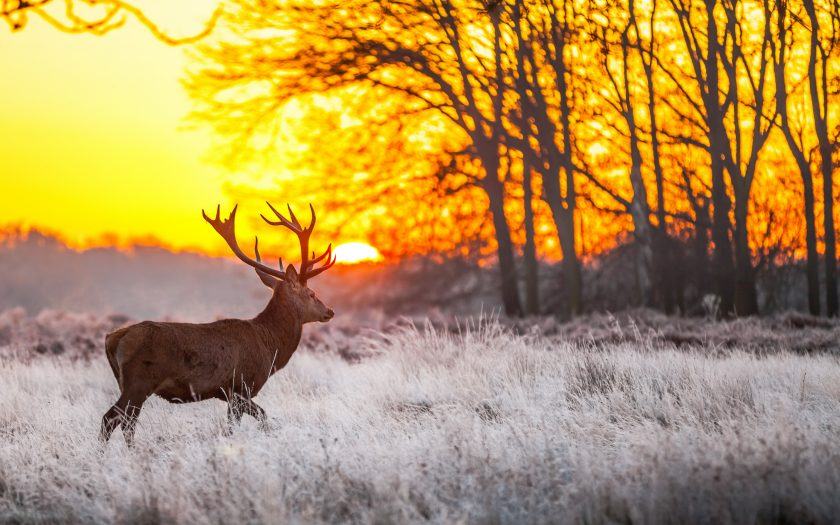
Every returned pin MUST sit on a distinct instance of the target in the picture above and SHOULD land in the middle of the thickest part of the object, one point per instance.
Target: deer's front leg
(238, 405)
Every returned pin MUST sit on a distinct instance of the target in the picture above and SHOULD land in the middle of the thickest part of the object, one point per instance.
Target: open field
(424, 424)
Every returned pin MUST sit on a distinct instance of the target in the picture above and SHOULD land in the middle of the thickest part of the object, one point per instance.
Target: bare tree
(823, 43)
(619, 43)
(663, 246)
(713, 36)
(507, 104)
(93, 16)
(418, 50)
(781, 49)
(706, 116)
(543, 31)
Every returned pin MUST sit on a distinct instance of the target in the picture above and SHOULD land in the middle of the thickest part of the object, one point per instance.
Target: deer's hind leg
(110, 422)
(124, 413)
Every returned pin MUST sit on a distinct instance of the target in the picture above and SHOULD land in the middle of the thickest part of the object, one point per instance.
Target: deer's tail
(112, 342)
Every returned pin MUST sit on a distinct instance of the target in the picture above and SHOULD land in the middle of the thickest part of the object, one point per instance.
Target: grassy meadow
(478, 422)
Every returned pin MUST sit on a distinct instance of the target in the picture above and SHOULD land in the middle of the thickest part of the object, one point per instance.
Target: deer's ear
(291, 274)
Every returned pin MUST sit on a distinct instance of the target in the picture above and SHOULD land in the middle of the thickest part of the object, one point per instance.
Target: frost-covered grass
(480, 425)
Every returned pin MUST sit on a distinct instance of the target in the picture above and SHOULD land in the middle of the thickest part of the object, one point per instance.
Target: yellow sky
(93, 135)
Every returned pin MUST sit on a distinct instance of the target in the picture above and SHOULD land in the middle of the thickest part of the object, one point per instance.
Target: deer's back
(188, 362)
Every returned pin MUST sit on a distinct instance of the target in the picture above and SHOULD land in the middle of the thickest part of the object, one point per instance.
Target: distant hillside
(39, 272)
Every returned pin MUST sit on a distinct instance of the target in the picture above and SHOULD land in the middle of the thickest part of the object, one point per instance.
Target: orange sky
(94, 136)
(94, 140)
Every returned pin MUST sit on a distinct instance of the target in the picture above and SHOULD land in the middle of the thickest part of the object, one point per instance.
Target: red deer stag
(230, 359)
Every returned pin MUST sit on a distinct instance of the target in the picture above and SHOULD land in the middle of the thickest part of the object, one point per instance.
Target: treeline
(704, 132)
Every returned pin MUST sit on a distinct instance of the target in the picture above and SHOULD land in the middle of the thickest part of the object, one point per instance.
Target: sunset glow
(94, 144)
(99, 146)
(356, 252)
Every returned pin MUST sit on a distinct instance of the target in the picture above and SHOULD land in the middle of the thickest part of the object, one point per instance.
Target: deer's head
(290, 283)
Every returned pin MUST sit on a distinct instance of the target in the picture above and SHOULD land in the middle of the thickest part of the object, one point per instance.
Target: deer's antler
(307, 263)
(266, 279)
(227, 230)
(310, 270)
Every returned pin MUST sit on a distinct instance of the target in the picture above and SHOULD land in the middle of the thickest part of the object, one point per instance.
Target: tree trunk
(702, 225)
(831, 303)
(813, 258)
(812, 264)
(572, 278)
(640, 213)
(643, 233)
(532, 299)
(723, 269)
(746, 300)
(644, 259)
(565, 224)
(507, 266)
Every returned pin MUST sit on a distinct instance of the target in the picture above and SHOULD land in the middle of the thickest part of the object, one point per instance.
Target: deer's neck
(280, 326)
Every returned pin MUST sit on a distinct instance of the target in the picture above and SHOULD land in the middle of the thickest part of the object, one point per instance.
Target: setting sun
(356, 252)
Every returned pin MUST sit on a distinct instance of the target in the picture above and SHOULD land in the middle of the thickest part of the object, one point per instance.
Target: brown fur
(230, 359)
